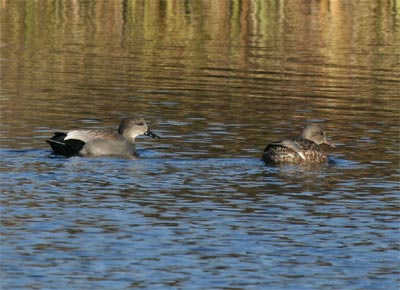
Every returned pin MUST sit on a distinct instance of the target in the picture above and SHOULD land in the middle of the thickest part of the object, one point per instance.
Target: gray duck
(85, 142)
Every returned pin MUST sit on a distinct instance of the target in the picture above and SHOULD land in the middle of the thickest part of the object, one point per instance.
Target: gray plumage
(97, 143)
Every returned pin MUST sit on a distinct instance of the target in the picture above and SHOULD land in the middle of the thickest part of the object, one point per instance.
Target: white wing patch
(294, 146)
(83, 135)
(301, 154)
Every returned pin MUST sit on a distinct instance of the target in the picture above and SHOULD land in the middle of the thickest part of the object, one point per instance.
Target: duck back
(297, 150)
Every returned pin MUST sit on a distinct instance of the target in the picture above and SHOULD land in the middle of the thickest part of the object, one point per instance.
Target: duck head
(315, 133)
(133, 126)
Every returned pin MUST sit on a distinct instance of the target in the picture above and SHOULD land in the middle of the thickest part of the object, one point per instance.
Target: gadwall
(301, 150)
(96, 143)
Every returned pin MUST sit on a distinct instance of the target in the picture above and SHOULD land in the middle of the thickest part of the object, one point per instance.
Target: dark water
(198, 209)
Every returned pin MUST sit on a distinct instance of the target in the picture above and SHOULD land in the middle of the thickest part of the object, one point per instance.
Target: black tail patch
(70, 147)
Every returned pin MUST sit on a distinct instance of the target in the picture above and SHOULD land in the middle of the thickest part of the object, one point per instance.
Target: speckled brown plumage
(279, 153)
(298, 150)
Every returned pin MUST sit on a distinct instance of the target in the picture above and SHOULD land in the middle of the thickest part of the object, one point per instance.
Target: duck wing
(307, 145)
(298, 145)
(90, 135)
(290, 144)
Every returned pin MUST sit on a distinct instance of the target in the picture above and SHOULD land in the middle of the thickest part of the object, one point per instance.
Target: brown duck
(305, 149)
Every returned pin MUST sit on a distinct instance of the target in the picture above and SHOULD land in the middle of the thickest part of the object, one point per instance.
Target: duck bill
(330, 144)
(151, 134)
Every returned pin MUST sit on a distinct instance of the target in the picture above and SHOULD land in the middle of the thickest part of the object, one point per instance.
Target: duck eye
(141, 124)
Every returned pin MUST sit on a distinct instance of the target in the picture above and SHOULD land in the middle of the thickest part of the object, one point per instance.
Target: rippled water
(198, 208)
(213, 223)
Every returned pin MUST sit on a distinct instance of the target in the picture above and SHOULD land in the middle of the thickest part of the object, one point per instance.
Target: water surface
(198, 209)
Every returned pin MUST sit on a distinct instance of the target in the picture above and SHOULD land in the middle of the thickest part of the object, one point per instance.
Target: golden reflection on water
(263, 64)
(200, 27)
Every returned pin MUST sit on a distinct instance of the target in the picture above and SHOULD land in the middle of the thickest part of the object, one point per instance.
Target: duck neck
(129, 138)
